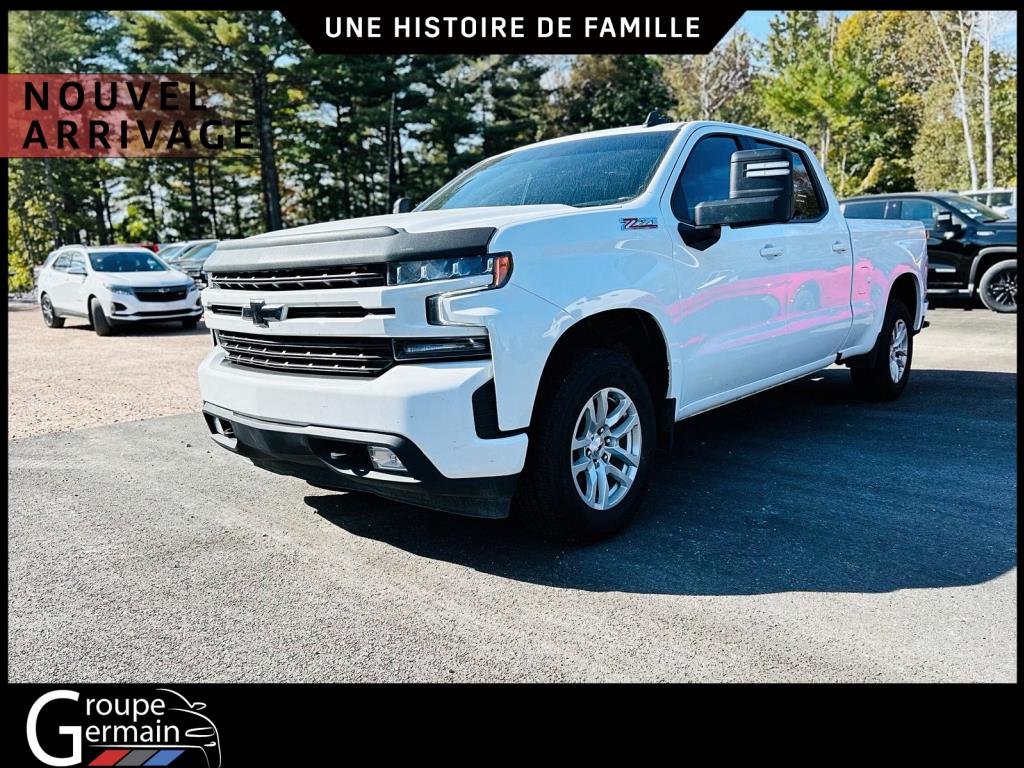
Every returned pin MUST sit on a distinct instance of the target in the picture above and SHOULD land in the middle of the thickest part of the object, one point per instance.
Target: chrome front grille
(302, 279)
(364, 357)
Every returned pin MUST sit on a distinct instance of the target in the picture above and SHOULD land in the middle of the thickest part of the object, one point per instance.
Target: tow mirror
(402, 205)
(945, 226)
(760, 190)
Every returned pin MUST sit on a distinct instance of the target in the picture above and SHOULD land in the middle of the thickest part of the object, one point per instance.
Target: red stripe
(109, 756)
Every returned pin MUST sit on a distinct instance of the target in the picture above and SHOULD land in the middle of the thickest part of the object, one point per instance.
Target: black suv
(971, 248)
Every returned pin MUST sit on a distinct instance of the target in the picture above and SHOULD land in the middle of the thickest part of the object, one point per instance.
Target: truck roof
(673, 127)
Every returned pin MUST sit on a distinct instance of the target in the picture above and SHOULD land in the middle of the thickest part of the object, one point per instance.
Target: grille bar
(300, 354)
(357, 276)
(297, 313)
(154, 295)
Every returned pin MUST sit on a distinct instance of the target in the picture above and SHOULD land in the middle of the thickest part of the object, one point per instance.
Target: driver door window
(919, 210)
(705, 176)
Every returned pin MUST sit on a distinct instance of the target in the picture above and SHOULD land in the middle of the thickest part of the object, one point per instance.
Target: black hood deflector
(354, 246)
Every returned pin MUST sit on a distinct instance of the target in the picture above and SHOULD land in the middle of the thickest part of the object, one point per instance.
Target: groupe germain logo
(161, 729)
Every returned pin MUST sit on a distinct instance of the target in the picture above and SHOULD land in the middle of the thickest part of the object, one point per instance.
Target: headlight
(498, 265)
(120, 289)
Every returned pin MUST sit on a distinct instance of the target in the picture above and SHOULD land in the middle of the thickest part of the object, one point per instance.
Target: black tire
(190, 323)
(100, 323)
(50, 316)
(878, 381)
(998, 288)
(548, 499)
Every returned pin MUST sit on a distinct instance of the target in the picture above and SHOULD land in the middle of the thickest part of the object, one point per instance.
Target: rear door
(56, 282)
(732, 307)
(819, 268)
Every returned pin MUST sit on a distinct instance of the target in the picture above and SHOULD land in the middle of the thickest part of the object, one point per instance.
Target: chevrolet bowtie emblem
(260, 313)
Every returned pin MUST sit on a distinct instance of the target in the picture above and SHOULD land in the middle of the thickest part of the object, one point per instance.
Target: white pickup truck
(525, 338)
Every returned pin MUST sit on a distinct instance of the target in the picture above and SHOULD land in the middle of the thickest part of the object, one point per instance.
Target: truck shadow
(803, 488)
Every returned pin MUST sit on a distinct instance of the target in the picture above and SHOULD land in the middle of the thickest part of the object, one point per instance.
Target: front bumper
(424, 411)
(336, 459)
(123, 307)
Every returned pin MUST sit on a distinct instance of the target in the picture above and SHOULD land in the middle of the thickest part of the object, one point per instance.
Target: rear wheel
(893, 354)
(998, 289)
(590, 449)
(100, 323)
(50, 316)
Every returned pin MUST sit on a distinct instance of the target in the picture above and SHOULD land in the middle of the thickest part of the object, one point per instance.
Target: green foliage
(610, 92)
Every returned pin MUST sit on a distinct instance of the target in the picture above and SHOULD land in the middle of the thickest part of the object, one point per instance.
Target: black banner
(691, 32)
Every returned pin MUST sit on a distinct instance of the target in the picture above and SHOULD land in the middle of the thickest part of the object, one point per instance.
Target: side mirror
(76, 269)
(760, 190)
(945, 227)
(402, 205)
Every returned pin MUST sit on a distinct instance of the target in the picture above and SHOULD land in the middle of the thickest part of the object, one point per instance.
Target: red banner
(129, 115)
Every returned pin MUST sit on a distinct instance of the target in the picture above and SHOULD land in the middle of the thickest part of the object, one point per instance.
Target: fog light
(384, 458)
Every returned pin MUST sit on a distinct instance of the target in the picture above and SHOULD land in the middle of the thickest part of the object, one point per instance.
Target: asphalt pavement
(799, 535)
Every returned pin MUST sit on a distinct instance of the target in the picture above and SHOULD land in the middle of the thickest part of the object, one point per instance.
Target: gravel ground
(799, 535)
(70, 378)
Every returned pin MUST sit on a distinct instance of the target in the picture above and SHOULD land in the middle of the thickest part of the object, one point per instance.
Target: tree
(610, 92)
(260, 43)
(511, 102)
(710, 87)
(955, 36)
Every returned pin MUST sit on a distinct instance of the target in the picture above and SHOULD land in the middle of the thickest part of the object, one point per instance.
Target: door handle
(770, 252)
(839, 247)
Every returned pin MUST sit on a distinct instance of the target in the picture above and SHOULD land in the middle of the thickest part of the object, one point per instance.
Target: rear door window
(808, 203)
(61, 264)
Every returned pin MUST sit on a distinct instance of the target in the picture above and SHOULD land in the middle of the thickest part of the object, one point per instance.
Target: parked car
(523, 339)
(1003, 200)
(190, 260)
(115, 284)
(972, 249)
(169, 250)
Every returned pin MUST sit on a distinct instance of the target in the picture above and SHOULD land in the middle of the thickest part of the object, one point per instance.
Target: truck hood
(373, 239)
(144, 279)
(425, 221)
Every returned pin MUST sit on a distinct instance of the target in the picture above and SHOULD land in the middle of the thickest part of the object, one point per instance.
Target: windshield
(974, 210)
(126, 261)
(196, 253)
(168, 253)
(581, 173)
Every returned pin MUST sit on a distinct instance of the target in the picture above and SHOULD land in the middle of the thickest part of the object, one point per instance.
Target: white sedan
(114, 284)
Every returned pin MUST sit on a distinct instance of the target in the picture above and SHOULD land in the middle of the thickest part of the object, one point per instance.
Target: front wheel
(894, 352)
(998, 289)
(50, 316)
(590, 449)
(100, 323)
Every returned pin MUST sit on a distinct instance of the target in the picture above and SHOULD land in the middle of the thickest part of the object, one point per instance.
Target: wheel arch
(986, 258)
(637, 333)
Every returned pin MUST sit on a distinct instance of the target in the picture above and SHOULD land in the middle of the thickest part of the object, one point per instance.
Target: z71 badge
(639, 222)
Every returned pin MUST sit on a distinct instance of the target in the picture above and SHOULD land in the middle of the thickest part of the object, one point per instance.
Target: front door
(731, 314)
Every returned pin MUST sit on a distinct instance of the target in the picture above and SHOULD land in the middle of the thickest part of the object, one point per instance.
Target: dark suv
(971, 248)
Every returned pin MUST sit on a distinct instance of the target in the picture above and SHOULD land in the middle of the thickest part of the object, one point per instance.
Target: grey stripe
(136, 757)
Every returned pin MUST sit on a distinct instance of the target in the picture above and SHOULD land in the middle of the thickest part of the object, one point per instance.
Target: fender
(971, 282)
